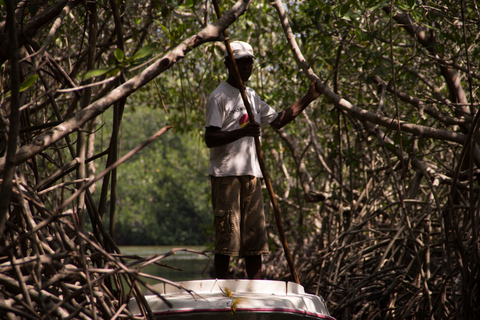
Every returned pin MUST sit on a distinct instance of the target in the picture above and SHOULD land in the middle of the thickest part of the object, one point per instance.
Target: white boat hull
(234, 299)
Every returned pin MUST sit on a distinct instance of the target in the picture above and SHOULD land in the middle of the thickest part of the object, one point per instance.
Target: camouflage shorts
(239, 216)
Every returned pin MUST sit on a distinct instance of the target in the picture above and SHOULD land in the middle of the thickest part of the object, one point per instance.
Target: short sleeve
(268, 114)
(214, 114)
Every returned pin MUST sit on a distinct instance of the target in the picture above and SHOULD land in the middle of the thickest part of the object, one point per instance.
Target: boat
(240, 299)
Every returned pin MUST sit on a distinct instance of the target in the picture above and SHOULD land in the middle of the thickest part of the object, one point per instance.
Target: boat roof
(213, 297)
(275, 287)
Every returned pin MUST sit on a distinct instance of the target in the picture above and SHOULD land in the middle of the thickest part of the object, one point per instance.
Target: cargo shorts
(239, 216)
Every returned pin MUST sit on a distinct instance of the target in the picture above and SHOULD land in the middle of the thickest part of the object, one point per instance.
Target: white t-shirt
(226, 110)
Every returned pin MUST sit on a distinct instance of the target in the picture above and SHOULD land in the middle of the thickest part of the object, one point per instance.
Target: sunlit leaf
(145, 51)
(163, 28)
(24, 85)
(28, 82)
(96, 73)
(119, 55)
(113, 72)
(378, 5)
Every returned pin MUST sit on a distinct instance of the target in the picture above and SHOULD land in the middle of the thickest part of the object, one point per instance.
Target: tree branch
(211, 32)
(426, 38)
(35, 24)
(14, 127)
(361, 114)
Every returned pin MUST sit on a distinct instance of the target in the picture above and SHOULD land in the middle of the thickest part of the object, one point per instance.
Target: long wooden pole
(266, 177)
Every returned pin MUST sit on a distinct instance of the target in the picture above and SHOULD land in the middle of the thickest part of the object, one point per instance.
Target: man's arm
(215, 137)
(292, 112)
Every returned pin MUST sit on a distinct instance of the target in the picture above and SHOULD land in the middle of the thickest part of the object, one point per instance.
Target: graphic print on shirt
(243, 120)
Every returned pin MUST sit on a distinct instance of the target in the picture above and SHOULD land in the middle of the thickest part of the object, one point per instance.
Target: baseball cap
(240, 49)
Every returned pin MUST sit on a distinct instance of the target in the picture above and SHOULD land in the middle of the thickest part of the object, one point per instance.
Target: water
(192, 266)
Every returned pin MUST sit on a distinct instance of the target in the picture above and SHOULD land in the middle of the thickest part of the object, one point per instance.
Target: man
(235, 173)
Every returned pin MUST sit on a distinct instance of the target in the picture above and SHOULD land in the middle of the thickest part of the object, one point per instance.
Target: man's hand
(252, 129)
(292, 112)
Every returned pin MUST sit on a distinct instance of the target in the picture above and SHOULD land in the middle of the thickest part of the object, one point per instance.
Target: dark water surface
(193, 266)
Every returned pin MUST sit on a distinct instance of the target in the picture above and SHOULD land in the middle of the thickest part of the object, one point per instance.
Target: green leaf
(164, 29)
(378, 5)
(113, 72)
(24, 85)
(344, 9)
(355, 3)
(28, 82)
(144, 52)
(96, 73)
(119, 55)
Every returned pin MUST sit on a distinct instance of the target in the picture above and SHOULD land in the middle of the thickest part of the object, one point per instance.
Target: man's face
(245, 68)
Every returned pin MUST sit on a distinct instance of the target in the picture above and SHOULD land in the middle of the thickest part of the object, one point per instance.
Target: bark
(13, 121)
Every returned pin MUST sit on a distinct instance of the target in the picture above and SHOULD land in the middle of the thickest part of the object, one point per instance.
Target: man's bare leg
(221, 265)
(253, 266)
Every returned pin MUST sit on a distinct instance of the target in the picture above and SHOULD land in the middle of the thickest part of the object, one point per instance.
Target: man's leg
(254, 235)
(253, 266)
(221, 265)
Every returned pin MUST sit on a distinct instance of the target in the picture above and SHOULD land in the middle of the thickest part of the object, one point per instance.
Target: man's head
(240, 49)
(243, 55)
